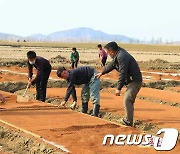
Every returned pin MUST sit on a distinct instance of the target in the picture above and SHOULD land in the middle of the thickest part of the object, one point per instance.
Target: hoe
(24, 97)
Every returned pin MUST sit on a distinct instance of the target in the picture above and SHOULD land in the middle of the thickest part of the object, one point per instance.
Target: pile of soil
(57, 84)
(156, 85)
(159, 64)
(94, 63)
(59, 60)
(15, 86)
(13, 62)
(162, 84)
(12, 86)
(108, 84)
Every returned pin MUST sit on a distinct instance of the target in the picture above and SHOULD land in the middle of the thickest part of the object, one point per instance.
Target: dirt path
(74, 130)
(160, 94)
(158, 114)
(10, 77)
(78, 132)
(148, 76)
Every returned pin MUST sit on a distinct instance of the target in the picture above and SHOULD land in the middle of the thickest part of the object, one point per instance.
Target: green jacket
(74, 56)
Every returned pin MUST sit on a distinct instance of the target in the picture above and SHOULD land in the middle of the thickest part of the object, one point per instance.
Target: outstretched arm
(39, 74)
(106, 70)
(70, 90)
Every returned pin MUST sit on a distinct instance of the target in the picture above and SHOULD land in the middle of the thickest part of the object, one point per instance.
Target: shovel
(23, 98)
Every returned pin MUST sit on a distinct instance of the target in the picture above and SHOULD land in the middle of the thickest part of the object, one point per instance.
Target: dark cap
(60, 70)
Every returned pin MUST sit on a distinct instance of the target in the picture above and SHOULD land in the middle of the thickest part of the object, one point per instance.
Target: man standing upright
(102, 55)
(43, 71)
(129, 74)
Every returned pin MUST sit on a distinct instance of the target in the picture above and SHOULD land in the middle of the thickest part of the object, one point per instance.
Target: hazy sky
(133, 18)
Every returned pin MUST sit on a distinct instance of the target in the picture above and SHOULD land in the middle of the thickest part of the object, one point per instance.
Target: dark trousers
(103, 61)
(129, 99)
(74, 63)
(41, 86)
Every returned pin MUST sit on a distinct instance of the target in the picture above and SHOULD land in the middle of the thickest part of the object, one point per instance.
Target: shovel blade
(22, 99)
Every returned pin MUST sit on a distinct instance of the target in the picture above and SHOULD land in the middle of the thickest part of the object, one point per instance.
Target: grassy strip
(130, 47)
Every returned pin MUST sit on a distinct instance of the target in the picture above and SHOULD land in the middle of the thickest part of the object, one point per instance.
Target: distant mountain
(81, 34)
(36, 37)
(85, 35)
(9, 37)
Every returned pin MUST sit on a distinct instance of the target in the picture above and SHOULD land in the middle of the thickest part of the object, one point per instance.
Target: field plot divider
(61, 147)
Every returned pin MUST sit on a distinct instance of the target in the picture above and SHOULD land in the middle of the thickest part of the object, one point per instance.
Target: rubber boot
(96, 110)
(84, 107)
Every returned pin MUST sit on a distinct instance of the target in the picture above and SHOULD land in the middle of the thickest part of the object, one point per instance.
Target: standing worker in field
(91, 86)
(74, 58)
(129, 74)
(102, 55)
(43, 71)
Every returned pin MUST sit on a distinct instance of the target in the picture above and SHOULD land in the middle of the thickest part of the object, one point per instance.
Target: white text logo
(168, 142)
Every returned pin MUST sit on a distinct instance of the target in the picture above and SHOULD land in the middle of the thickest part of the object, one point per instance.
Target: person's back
(81, 75)
(40, 61)
(41, 64)
(91, 86)
(130, 64)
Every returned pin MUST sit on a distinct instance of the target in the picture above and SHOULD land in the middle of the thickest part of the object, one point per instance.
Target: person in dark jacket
(43, 71)
(91, 86)
(129, 74)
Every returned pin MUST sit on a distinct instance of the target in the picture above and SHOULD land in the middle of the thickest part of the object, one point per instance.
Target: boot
(84, 107)
(96, 110)
(73, 105)
(125, 122)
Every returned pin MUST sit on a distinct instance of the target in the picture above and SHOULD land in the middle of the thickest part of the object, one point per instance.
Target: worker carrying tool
(43, 72)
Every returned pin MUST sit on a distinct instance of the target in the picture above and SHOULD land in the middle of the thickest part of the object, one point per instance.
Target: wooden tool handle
(25, 91)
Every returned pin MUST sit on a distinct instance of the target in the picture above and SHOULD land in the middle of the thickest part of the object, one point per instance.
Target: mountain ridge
(81, 34)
